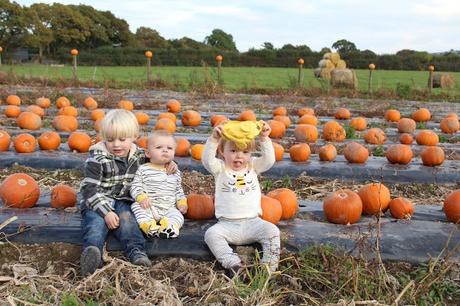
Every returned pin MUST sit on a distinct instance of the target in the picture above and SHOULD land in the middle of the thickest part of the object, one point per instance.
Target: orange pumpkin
(19, 190)
(432, 156)
(342, 114)
(288, 200)
(191, 118)
(165, 124)
(97, 125)
(173, 106)
(355, 153)
(305, 111)
(452, 115)
(399, 154)
(74, 52)
(63, 196)
(89, 103)
(24, 143)
(284, 119)
(308, 119)
(342, 207)
(327, 152)
(406, 138)
(332, 131)
(49, 141)
(36, 110)
(79, 141)
(197, 151)
(421, 115)
(306, 133)
(247, 115)
(217, 119)
(12, 111)
(125, 104)
(142, 118)
(452, 206)
(392, 115)
(64, 123)
(200, 207)
(278, 129)
(68, 111)
(13, 100)
(219, 58)
(427, 138)
(359, 123)
(375, 136)
(43, 102)
(97, 114)
(142, 142)
(279, 151)
(5, 140)
(271, 209)
(449, 125)
(29, 121)
(401, 208)
(170, 116)
(375, 197)
(62, 101)
(280, 111)
(299, 152)
(182, 147)
(406, 125)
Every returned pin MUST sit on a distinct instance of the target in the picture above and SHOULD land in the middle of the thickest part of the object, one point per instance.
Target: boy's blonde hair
(160, 133)
(252, 146)
(119, 123)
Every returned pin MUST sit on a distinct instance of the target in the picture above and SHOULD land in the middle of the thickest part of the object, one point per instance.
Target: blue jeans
(95, 230)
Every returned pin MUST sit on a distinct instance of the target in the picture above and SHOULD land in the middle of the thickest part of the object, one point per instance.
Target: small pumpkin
(421, 115)
(5, 140)
(451, 206)
(79, 141)
(142, 142)
(12, 111)
(126, 104)
(97, 125)
(299, 152)
(327, 152)
(217, 119)
(452, 115)
(342, 114)
(197, 151)
(449, 125)
(173, 106)
(19, 190)
(43, 102)
(182, 147)
(13, 100)
(24, 143)
(359, 123)
(305, 111)
(406, 125)
(375, 136)
(278, 129)
(62, 101)
(392, 115)
(142, 118)
(97, 114)
(68, 111)
(401, 208)
(89, 103)
(332, 131)
(29, 121)
(165, 124)
(191, 118)
(343, 207)
(427, 138)
(432, 156)
(64, 123)
(306, 133)
(247, 115)
(279, 151)
(375, 197)
(284, 119)
(170, 116)
(308, 119)
(288, 200)
(399, 154)
(74, 52)
(406, 138)
(200, 207)
(280, 111)
(355, 153)
(63, 196)
(49, 141)
(271, 209)
(36, 110)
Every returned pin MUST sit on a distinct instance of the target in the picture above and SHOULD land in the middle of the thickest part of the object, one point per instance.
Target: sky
(384, 27)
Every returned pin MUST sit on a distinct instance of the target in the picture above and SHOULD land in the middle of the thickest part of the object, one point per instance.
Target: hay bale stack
(442, 80)
(327, 55)
(334, 58)
(330, 61)
(325, 63)
(341, 64)
(344, 78)
(323, 73)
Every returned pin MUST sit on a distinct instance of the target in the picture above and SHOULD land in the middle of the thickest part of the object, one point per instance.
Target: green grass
(235, 78)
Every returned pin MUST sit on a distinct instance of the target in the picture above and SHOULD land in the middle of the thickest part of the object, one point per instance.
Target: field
(235, 79)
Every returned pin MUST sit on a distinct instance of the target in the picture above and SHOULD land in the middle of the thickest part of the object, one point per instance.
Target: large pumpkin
(24, 143)
(126, 104)
(359, 123)
(284, 119)
(13, 100)
(432, 156)
(342, 207)
(401, 208)
(308, 119)
(288, 200)
(200, 207)
(19, 191)
(375, 197)
(43, 102)
(97, 114)
(300, 152)
(49, 140)
(12, 111)
(217, 119)
(191, 118)
(427, 138)
(280, 111)
(392, 115)
(271, 209)
(355, 153)
(452, 206)
(5, 140)
(332, 131)
(342, 114)
(182, 147)
(278, 129)
(406, 125)
(197, 151)
(89, 103)
(327, 152)
(168, 115)
(36, 110)
(399, 154)
(68, 111)
(421, 115)
(247, 115)
(305, 111)
(279, 151)
(375, 136)
(166, 125)
(142, 118)
(79, 141)
(64, 123)
(173, 106)
(449, 125)
(29, 121)
(62, 101)
(306, 133)
(63, 196)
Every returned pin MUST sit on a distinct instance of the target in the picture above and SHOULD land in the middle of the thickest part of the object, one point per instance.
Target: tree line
(50, 31)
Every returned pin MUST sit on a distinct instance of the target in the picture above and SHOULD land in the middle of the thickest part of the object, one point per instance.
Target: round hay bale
(323, 73)
(341, 64)
(325, 63)
(344, 78)
(335, 57)
(442, 80)
(327, 55)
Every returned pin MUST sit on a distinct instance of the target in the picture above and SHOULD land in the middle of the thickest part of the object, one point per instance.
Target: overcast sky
(381, 26)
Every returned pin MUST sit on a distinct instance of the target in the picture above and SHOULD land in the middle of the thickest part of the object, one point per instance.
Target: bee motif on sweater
(240, 184)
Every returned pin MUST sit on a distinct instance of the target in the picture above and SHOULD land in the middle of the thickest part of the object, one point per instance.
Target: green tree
(344, 46)
(118, 31)
(98, 25)
(268, 46)
(221, 40)
(187, 43)
(39, 32)
(150, 38)
(12, 24)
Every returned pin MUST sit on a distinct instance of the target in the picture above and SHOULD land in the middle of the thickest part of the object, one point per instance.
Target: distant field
(235, 78)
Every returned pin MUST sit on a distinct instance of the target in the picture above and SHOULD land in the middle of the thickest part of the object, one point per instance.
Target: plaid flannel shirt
(108, 177)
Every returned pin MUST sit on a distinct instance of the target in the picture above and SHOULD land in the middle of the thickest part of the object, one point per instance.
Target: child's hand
(145, 203)
(266, 130)
(112, 220)
(183, 208)
(217, 132)
(171, 168)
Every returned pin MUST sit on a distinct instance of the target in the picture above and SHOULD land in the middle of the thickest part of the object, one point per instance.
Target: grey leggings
(241, 232)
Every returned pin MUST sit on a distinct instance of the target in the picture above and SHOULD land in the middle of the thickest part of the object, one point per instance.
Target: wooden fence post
(149, 55)
(369, 84)
(300, 61)
(430, 80)
(219, 59)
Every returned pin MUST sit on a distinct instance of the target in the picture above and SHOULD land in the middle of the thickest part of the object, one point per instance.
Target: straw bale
(323, 73)
(327, 55)
(443, 80)
(325, 63)
(335, 57)
(341, 64)
(344, 78)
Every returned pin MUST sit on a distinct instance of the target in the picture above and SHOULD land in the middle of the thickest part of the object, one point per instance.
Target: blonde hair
(119, 123)
(160, 133)
(252, 146)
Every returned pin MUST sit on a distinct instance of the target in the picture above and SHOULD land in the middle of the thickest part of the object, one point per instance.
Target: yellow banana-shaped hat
(241, 132)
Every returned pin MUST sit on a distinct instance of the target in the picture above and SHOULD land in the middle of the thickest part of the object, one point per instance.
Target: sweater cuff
(182, 202)
(141, 197)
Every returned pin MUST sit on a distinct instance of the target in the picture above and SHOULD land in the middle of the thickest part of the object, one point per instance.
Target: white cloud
(439, 8)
